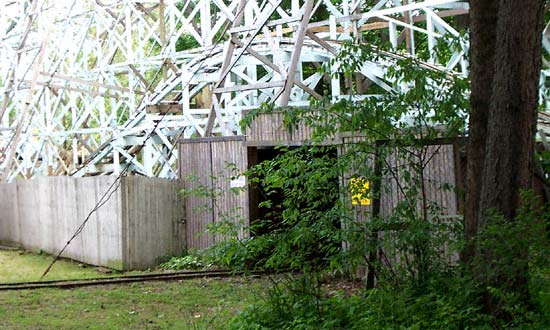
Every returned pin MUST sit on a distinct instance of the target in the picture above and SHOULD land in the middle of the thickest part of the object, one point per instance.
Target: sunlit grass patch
(24, 266)
(190, 304)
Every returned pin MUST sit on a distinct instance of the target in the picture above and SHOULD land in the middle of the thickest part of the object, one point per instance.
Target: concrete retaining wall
(152, 221)
(139, 224)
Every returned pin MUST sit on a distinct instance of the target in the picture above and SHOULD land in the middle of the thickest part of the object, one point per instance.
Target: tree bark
(483, 26)
(511, 125)
(506, 62)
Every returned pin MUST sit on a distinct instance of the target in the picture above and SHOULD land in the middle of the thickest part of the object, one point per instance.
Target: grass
(191, 304)
(23, 266)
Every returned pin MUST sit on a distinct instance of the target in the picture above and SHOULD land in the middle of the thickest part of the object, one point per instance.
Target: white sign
(238, 182)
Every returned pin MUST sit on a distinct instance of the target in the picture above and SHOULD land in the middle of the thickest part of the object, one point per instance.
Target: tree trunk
(511, 124)
(483, 25)
(506, 62)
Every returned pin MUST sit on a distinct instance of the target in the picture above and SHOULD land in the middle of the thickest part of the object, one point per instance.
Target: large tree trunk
(511, 125)
(506, 63)
(483, 26)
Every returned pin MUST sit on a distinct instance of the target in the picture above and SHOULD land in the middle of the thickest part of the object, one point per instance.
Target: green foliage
(186, 42)
(411, 251)
(425, 103)
(187, 262)
(307, 218)
(521, 247)
(448, 298)
(243, 254)
(299, 304)
(543, 159)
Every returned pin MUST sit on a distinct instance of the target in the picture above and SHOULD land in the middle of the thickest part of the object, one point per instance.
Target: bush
(242, 254)
(411, 251)
(187, 262)
(446, 303)
(447, 298)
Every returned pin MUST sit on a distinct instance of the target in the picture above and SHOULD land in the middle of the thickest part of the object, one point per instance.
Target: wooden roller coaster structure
(93, 87)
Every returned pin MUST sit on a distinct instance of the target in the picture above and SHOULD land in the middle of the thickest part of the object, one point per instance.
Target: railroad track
(171, 276)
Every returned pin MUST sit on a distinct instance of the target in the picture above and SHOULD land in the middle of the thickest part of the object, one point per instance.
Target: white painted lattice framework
(84, 83)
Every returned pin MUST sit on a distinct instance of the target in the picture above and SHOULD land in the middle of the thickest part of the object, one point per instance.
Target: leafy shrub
(187, 262)
(419, 285)
(446, 303)
(242, 254)
(298, 304)
(448, 298)
(520, 247)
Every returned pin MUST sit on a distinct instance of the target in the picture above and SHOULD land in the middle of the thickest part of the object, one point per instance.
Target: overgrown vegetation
(186, 262)
(408, 249)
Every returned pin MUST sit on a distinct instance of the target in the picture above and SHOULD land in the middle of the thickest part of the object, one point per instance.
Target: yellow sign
(359, 188)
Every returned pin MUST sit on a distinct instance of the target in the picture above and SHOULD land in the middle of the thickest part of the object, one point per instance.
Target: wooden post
(285, 97)
(25, 112)
(376, 206)
(162, 34)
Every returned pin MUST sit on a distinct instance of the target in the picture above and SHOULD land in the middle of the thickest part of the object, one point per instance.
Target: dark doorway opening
(271, 218)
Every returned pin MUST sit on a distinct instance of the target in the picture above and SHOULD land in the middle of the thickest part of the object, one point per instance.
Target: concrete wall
(9, 232)
(132, 230)
(153, 220)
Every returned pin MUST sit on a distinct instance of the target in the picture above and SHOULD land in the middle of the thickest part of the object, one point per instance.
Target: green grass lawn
(23, 266)
(190, 304)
